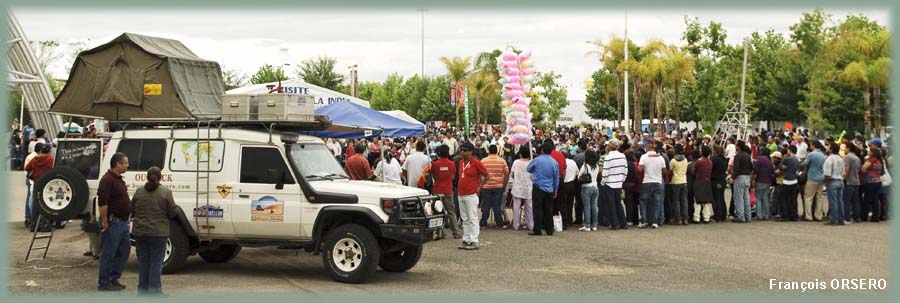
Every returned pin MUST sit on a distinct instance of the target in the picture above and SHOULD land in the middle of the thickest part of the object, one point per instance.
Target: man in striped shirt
(492, 191)
(615, 169)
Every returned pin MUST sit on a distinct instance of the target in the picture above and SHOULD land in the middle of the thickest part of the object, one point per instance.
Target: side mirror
(277, 176)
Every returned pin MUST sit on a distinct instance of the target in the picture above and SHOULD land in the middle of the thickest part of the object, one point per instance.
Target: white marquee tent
(323, 95)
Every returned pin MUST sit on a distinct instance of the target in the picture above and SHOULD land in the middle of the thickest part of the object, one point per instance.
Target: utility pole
(422, 11)
(354, 85)
(627, 126)
(744, 76)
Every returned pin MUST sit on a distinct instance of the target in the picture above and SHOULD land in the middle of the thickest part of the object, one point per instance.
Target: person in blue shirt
(545, 175)
(815, 176)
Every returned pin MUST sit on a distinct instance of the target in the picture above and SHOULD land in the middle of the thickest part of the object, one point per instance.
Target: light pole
(354, 86)
(625, 117)
(422, 11)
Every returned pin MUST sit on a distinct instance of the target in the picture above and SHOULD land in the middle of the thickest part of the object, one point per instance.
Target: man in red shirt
(357, 166)
(443, 171)
(561, 161)
(472, 176)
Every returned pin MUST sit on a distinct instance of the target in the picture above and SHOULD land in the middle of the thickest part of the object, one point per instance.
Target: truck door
(266, 200)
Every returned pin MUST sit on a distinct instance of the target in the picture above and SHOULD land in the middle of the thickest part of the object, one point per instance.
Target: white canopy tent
(323, 95)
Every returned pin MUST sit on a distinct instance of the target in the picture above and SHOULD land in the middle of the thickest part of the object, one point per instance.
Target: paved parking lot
(715, 258)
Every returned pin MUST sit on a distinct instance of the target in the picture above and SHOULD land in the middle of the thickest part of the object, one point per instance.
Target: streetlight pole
(354, 86)
(422, 11)
(627, 125)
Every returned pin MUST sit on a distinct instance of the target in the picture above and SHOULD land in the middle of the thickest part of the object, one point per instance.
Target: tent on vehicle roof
(135, 76)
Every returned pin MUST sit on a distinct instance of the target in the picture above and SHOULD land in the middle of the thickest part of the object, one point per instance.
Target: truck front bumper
(430, 229)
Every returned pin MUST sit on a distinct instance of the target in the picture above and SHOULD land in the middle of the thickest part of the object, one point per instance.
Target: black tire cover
(79, 194)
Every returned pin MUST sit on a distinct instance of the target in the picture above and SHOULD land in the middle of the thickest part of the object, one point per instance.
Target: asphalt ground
(719, 258)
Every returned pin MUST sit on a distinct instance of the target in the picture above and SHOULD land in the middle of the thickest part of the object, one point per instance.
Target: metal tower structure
(736, 121)
(26, 75)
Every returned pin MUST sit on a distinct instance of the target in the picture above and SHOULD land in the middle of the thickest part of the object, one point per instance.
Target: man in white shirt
(802, 148)
(415, 163)
(334, 146)
(654, 167)
(615, 169)
(834, 184)
(451, 142)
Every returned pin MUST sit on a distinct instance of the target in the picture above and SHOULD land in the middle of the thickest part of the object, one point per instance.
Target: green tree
(809, 35)
(390, 95)
(436, 104)
(601, 95)
(266, 74)
(320, 71)
(233, 79)
(367, 90)
(554, 94)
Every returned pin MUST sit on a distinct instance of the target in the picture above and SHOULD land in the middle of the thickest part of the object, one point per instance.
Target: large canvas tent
(370, 123)
(323, 96)
(135, 76)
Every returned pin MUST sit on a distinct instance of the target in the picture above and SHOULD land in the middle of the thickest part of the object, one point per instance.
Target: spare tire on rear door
(61, 193)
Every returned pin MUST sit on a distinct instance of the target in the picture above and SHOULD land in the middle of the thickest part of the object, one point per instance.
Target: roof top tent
(142, 77)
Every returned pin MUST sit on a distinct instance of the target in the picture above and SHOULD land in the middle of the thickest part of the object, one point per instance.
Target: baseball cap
(876, 141)
(776, 155)
(467, 147)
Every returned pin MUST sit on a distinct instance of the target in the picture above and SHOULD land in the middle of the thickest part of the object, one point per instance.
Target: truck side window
(256, 163)
(143, 154)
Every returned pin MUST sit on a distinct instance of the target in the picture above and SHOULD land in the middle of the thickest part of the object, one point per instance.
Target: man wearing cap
(615, 170)
(472, 176)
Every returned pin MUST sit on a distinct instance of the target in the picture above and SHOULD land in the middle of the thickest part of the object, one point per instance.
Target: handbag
(886, 178)
(557, 223)
(585, 178)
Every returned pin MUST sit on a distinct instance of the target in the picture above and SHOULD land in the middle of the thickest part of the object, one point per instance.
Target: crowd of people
(595, 178)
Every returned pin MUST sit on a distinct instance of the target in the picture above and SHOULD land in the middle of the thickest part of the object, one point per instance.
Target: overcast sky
(386, 41)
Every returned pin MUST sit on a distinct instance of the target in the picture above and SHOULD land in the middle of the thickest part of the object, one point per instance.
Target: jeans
(542, 208)
(468, 210)
(150, 252)
(851, 203)
(835, 188)
(762, 201)
(679, 202)
(872, 201)
(719, 211)
(28, 200)
(651, 198)
(115, 246)
(492, 201)
(614, 206)
(589, 196)
(742, 198)
(661, 209)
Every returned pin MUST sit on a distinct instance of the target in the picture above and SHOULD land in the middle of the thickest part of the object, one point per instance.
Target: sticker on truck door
(209, 211)
(267, 209)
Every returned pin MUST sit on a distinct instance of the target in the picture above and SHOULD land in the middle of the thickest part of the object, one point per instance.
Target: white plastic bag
(557, 223)
(886, 179)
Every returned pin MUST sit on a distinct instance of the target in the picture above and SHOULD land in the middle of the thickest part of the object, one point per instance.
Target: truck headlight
(438, 206)
(428, 208)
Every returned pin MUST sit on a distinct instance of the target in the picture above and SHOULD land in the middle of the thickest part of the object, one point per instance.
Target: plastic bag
(557, 223)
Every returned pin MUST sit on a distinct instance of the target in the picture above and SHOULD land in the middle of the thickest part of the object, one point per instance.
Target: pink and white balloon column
(517, 73)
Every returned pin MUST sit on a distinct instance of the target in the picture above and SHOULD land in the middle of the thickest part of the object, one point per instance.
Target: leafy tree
(601, 94)
(436, 103)
(233, 79)
(554, 94)
(367, 90)
(390, 95)
(266, 74)
(320, 71)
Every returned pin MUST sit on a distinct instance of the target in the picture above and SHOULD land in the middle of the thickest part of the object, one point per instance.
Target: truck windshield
(315, 161)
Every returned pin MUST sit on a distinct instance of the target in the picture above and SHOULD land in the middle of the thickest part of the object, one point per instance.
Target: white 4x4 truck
(253, 188)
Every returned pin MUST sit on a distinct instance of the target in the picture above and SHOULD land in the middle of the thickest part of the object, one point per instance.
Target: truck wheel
(351, 254)
(402, 260)
(221, 254)
(61, 193)
(177, 249)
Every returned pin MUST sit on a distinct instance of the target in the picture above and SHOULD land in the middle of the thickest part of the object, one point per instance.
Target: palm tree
(485, 83)
(681, 70)
(638, 71)
(457, 71)
(654, 71)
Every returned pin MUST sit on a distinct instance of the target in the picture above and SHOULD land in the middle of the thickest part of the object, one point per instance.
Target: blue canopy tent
(364, 123)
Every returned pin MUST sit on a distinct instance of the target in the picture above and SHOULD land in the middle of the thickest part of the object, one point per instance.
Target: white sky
(386, 41)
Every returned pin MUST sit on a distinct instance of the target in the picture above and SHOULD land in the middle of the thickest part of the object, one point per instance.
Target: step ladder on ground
(42, 245)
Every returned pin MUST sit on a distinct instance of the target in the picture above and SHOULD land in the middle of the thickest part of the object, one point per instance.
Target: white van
(239, 187)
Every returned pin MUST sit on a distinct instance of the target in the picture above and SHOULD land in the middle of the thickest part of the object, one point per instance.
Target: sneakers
(471, 246)
(584, 229)
(642, 225)
(110, 288)
(593, 229)
(464, 245)
(655, 226)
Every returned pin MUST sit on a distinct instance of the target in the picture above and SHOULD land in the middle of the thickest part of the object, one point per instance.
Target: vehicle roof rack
(318, 124)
